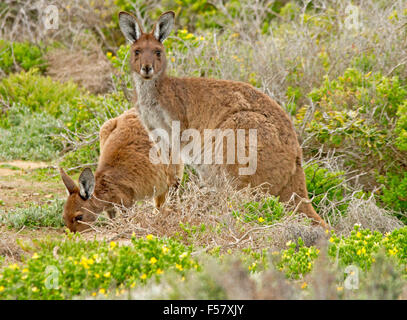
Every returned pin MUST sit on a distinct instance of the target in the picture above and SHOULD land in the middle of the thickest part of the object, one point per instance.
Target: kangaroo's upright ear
(129, 26)
(68, 182)
(86, 184)
(164, 25)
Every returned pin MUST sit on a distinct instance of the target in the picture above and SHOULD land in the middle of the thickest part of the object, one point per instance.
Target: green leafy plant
(323, 183)
(297, 260)
(28, 136)
(39, 93)
(401, 127)
(362, 246)
(22, 55)
(266, 211)
(61, 269)
(356, 110)
(47, 215)
(394, 193)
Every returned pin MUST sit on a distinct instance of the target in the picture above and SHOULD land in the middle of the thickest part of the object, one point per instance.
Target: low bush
(39, 93)
(322, 183)
(47, 215)
(356, 110)
(394, 193)
(28, 136)
(266, 211)
(24, 55)
(360, 248)
(297, 260)
(63, 269)
(401, 127)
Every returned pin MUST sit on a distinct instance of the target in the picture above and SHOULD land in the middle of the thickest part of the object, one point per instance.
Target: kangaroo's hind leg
(297, 184)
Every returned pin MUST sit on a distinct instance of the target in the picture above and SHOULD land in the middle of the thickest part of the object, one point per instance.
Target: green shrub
(24, 54)
(266, 211)
(362, 246)
(48, 215)
(39, 93)
(394, 193)
(356, 110)
(27, 136)
(401, 127)
(93, 267)
(323, 183)
(297, 260)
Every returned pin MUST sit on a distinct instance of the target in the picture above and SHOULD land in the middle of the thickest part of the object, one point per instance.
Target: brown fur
(201, 103)
(124, 173)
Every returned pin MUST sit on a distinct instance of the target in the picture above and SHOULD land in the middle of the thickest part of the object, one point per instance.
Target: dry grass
(211, 206)
(78, 21)
(89, 68)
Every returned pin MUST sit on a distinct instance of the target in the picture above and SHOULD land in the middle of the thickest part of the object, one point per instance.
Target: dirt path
(19, 188)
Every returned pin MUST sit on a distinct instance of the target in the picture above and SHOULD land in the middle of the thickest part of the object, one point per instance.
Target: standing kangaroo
(124, 174)
(201, 103)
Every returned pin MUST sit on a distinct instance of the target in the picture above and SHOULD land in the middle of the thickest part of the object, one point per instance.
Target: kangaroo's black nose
(147, 68)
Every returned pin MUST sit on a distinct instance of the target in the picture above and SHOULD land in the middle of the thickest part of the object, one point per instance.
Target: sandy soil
(16, 187)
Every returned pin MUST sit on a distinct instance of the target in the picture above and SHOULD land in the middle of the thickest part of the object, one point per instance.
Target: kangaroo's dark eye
(78, 218)
(158, 53)
(137, 52)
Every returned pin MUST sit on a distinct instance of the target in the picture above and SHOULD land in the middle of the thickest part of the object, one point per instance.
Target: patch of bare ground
(17, 189)
(10, 238)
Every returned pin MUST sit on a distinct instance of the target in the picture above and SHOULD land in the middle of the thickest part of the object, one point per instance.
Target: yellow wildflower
(1, 288)
(34, 289)
(143, 276)
(179, 267)
(35, 255)
(260, 219)
(14, 266)
(165, 249)
(94, 294)
(149, 237)
(159, 271)
(102, 291)
(109, 54)
(107, 274)
(182, 256)
(112, 245)
(339, 289)
(153, 260)
(304, 285)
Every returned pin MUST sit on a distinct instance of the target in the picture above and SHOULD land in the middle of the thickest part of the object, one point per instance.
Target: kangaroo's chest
(152, 114)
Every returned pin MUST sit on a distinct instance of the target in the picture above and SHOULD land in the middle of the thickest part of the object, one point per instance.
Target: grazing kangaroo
(124, 174)
(201, 103)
